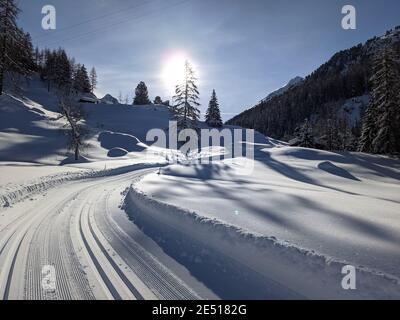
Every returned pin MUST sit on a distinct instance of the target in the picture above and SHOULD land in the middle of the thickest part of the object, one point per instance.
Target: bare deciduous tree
(76, 131)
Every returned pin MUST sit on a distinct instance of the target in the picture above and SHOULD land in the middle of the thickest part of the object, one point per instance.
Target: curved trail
(78, 230)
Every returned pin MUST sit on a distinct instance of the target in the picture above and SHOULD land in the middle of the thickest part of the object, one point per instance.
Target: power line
(127, 9)
(95, 31)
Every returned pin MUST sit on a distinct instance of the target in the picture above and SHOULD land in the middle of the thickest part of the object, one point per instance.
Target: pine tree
(9, 33)
(141, 95)
(81, 80)
(331, 136)
(369, 129)
(93, 80)
(48, 72)
(158, 100)
(21, 54)
(305, 135)
(213, 115)
(380, 132)
(62, 69)
(185, 109)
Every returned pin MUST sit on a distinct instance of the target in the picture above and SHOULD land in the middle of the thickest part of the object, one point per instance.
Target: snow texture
(227, 256)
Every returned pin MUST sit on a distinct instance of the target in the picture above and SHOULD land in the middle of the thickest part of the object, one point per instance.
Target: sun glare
(173, 72)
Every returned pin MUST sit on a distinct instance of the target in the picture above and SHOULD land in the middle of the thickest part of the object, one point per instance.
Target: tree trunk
(76, 152)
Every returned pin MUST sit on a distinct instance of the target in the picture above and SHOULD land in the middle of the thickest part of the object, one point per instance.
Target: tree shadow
(329, 167)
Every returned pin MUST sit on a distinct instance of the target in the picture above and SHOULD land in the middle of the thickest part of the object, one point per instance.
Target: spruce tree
(213, 115)
(369, 129)
(8, 33)
(158, 100)
(81, 80)
(185, 109)
(49, 70)
(21, 54)
(381, 125)
(93, 80)
(141, 95)
(62, 69)
(305, 135)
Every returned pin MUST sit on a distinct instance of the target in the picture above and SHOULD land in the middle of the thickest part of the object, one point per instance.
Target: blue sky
(242, 48)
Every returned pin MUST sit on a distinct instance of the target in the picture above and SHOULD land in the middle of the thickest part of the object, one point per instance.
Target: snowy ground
(185, 231)
(342, 207)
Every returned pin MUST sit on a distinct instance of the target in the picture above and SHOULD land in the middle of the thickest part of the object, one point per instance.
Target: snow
(117, 152)
(209, 230)
(341, 206)
(291, 84)
(31, 128)
(29, 181)
(351, 109)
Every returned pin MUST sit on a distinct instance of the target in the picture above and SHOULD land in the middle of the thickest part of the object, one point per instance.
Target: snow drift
(237, 264)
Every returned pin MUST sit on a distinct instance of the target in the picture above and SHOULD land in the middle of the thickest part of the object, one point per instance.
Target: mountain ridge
(321, 95)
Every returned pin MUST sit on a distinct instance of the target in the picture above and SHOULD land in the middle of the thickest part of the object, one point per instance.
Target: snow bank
(26, 190)
(117, 152)
(237, 264)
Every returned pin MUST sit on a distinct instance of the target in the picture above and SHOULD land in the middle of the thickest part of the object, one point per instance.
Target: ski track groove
(134, 291)
(44, 233)
(163, 283)
(107, 281)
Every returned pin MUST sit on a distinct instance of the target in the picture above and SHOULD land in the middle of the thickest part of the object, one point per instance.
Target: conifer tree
(381, 125)
(62, 69)
(8, 33)
(369, 129)
(81, 80)
(185, 109)
(141, 95)
(93, 80)
(305, 135)
(158, 100)
(213, 115)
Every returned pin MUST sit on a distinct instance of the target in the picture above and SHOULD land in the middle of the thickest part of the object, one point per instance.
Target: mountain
(333, 98)
(291, 84)
(109, 99)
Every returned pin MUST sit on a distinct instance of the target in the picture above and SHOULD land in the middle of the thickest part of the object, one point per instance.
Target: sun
(173, 71)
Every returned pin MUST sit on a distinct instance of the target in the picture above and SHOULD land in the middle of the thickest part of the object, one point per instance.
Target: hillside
(31, 127)
(341, 84)
(292, 83)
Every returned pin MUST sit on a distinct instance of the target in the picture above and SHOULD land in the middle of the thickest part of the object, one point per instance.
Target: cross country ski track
(76, 229)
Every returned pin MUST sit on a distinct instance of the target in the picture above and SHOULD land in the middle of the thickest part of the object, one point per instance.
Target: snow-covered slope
(291, 84)
(31, 129)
